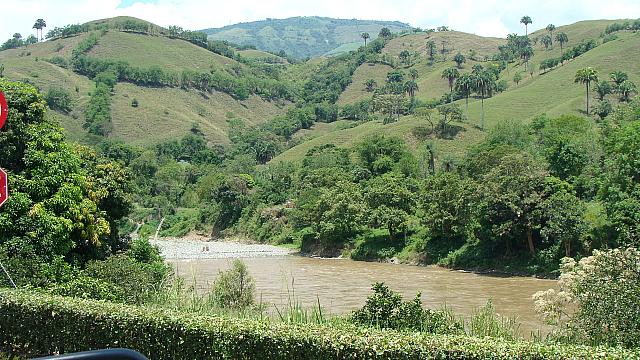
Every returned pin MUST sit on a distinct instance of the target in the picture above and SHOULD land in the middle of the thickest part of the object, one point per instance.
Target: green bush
(134, 280)
(42, 324)
(598, 301)
(234, 288)
(59, 99)
(385, 309)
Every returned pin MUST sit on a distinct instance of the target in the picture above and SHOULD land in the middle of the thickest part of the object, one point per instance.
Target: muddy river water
(342, 285)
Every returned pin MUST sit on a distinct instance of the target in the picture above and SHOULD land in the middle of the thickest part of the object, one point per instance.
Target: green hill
(162, 113)
(553, 92)
(303, 37)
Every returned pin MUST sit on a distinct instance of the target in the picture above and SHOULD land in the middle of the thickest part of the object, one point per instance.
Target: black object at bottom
(108, 354)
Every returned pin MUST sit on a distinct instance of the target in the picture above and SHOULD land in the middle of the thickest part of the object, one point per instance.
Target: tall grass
(486, 322)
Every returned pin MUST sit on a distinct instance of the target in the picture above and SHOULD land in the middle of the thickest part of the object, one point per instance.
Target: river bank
(197, 247)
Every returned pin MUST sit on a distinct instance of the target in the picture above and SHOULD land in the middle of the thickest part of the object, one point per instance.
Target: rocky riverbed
(172, 248)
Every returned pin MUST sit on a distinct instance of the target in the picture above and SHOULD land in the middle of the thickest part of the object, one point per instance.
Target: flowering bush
(598, 300)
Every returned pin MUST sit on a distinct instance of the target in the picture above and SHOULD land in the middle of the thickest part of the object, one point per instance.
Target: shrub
(385, 309)
(234, 288)
(598, 301)
(137, 281)
(43, 324)
(59, 99)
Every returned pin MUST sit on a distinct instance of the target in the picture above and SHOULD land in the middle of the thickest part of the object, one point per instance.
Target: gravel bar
(184, 249)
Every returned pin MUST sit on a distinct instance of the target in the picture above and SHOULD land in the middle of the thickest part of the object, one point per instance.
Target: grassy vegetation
(522, 102)
(403, 129)
(143, 50)
(356, 91)
(162, 113)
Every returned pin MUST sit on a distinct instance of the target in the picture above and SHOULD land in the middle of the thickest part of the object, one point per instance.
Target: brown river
(342, 285)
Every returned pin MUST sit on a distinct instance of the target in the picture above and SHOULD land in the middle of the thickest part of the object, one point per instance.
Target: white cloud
(489, 17)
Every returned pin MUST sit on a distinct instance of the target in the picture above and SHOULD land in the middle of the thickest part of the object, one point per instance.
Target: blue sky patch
(127, 3)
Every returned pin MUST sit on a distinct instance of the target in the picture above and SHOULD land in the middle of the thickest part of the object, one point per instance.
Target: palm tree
(546, 41)
(464, 85)
(526, 20)
(603, 89)
(370, 84)
(411, 87)
(431, 45)
(526, 53)
(483, 83)
(626, 89)
(365, 36)
(618, 77)
(451, 74)
(39, 25)
(551, 28)
(586, 76)
(413, 73)
(562, 38)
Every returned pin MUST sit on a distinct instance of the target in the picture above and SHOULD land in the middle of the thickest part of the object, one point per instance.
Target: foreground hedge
(35, 323)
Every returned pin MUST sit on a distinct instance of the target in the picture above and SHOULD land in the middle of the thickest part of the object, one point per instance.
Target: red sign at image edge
(4, 110)
(4, 187)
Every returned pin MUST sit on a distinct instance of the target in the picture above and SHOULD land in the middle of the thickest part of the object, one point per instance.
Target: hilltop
(302, 37)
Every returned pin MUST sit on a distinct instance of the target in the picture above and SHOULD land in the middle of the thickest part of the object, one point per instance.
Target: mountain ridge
(303, 36)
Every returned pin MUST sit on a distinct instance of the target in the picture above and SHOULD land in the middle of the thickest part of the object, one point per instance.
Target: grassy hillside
(146, 50)
(553, 92)
(163, 113)
(302, 37)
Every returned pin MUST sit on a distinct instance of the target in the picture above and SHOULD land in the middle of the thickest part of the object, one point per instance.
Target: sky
(487, 17)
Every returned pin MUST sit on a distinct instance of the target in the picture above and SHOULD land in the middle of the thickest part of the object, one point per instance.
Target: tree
(626, 90)
(431, 46)
(546, 41)
(370, 84)
(391, 201)
(551, 28)
(517, 78)
(365, 36)
(562, 38)
(413, 73)
(464, 86)
(525, 54)
(338, 213)
(459, 59)
(405, 56)
(31, 39)
(618, 77)
(17, 36)
(483, 83)
(526, 20)
(39, 25)
(586, 76)
(59, 202)
(448, 113)
(384, 33)
(603, 89)
(411, 87)
(515, 190)
(451, 74)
